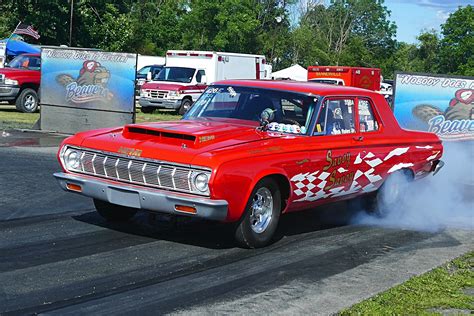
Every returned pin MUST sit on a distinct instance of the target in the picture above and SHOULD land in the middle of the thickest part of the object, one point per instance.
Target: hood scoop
(133, 130)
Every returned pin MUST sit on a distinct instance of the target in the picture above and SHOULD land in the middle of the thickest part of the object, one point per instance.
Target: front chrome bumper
(8, 92)
(160, 103)
(146, 199)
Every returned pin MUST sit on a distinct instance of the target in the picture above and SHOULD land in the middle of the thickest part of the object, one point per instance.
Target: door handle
(358, 138)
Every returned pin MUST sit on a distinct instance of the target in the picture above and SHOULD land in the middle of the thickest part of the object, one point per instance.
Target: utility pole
(70, 23)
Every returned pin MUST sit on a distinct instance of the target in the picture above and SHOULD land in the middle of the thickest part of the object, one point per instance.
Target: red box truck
(367, 78)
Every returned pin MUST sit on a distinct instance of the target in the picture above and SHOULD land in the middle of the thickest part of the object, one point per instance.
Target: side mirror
(148, 76)
(203, 79)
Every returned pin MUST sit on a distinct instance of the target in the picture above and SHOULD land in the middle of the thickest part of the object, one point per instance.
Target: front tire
(185, 106)
(112, 212)
(262, 212)
(27, 101)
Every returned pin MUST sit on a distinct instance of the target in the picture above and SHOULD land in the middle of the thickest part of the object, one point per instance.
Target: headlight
(72, 159)
(143, 93)
(11, 81)
(173, 93)
(201, 182)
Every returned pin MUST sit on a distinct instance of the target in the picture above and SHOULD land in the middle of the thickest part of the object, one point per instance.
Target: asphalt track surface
(57, 256)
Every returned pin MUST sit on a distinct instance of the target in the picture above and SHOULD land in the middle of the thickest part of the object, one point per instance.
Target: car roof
(30, 54)
(299, 86)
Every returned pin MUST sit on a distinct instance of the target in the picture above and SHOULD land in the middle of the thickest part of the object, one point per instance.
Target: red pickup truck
(20, 81)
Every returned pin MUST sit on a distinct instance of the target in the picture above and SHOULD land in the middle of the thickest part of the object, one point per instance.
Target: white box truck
(187, 74)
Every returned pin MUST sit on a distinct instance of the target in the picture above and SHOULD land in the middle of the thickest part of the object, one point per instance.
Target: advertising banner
(441, 104)
(88, 79)
(3, 53)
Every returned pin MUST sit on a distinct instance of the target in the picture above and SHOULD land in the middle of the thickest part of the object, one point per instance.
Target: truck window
(155, 71)
(20, 61)
(336, 117)
(199, 75)
(367, 120)
(176, 74)
(35, 63)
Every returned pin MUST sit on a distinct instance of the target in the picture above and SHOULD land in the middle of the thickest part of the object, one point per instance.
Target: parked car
(20, 82)
(248, 151)
(146, 74)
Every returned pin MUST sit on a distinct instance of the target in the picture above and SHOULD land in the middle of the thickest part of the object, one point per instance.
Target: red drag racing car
(248, 151)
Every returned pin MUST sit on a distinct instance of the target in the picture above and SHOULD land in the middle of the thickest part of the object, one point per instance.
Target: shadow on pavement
(216, 235)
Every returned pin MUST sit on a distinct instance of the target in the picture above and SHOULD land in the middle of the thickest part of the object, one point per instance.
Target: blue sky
(413, 16)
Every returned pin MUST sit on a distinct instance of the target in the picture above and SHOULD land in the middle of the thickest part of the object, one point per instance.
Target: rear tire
(390, 195)
(262, 212)
(27, 101)
(147, 109)
(185, 106)
(112, 212)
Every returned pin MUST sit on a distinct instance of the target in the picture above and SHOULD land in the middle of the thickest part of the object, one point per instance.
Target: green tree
(427, 53)
(457, 44)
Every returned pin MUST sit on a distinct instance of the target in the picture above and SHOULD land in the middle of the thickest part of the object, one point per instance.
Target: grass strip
(447, 289)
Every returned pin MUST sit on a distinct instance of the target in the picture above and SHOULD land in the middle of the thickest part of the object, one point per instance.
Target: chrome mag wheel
(261, 210)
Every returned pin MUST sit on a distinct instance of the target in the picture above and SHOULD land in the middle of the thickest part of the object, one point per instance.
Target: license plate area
(124, 197)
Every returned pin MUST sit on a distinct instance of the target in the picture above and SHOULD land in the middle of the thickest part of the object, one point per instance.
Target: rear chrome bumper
(437, 165)
(142, 198)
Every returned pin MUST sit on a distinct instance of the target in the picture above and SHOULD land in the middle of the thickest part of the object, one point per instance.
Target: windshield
(144, 70)
(27, 62)
(176, 74)
(326, 81)
(291, 112)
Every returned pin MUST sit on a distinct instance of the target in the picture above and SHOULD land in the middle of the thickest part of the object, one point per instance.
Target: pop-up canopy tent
(295, 72)
(15, 47)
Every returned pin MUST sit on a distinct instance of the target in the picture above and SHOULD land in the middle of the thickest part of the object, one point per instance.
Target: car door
(374, 157)
(333, 151)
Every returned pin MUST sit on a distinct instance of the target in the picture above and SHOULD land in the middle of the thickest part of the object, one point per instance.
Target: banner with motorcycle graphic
(441, 104)
(88, 79)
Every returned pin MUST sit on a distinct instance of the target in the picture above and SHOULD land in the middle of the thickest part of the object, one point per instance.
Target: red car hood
(14, 72)
(161, 85)
(177, 141)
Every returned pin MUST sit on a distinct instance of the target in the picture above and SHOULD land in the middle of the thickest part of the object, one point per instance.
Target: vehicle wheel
(112, 212)
(147, 109)
(390, 195)
(185, 106)
(27, 101)
(262, 212)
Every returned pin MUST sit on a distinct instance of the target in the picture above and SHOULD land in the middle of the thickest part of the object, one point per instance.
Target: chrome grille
(2, 78)
(137, 171)
(157, 94)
